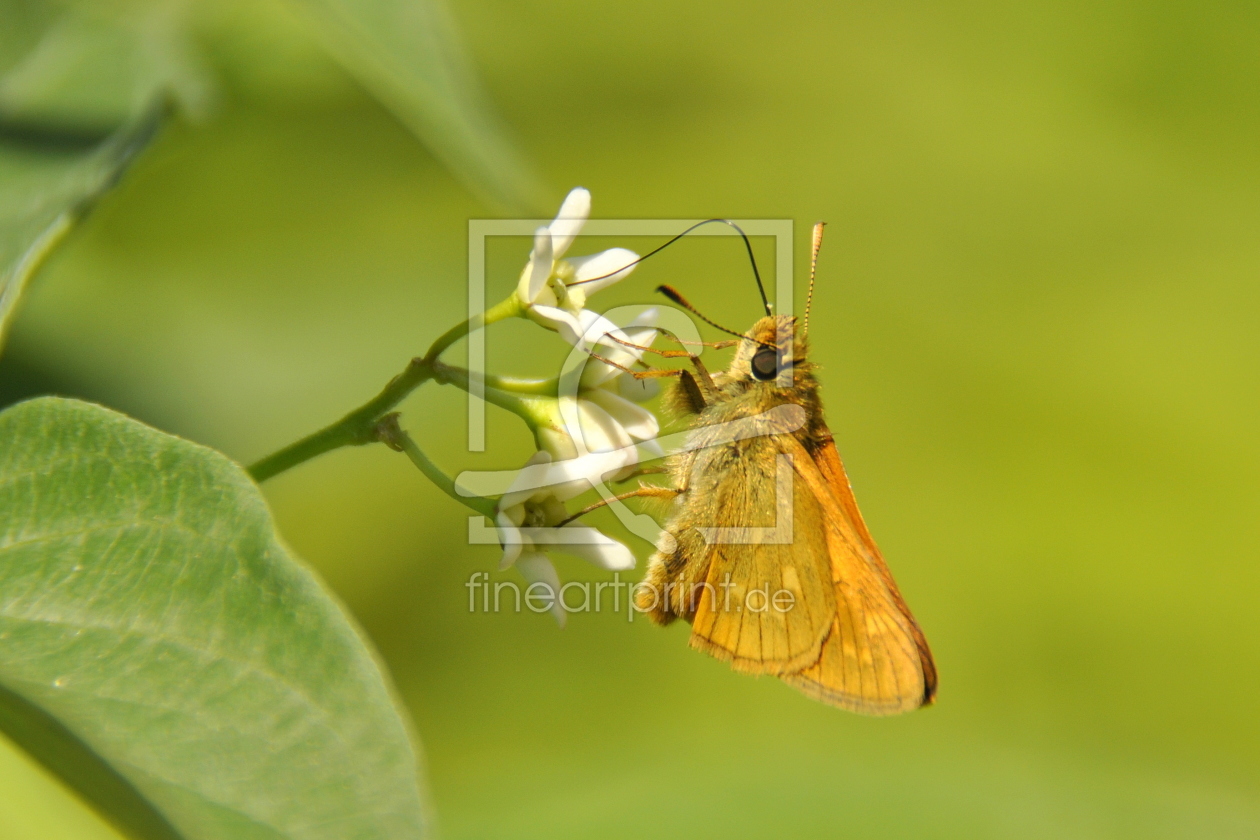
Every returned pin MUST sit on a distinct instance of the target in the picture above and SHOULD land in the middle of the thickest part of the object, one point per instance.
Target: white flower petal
(571, 476)
(567, 475)
(511, 540)
(598, 331)
(556, 441)
(525, 483)
(589, 320)
(638, 422)
(620, 360)
(641, 337)
(512, 547)
(536, 568)
(626, 346)
(596, 373)
(572, 471)
(609, 266)
(555, 318)
(574, 212)
(597, 549)
(646, 318)
(599, 430)
(534, 277)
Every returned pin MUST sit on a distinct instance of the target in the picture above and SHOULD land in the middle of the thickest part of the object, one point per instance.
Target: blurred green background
(1037, 321)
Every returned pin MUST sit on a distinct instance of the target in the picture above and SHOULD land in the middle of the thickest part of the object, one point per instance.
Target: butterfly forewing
(875, 659)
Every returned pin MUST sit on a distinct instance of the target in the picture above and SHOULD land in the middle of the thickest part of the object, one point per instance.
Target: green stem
(531, 387)
(355, 429)
(509, 307)
(392, 435)
(358, 427)
(528, 405)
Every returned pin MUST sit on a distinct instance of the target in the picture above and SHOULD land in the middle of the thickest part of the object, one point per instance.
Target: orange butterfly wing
(735, 620)
(875, 659)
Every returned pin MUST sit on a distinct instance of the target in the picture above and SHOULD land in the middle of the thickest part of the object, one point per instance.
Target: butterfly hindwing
(766, 602)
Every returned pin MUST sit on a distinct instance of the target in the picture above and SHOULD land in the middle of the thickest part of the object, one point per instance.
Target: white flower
(595, 432)
(554, 290)
(529, 516)
(612, 378)
(609, 393)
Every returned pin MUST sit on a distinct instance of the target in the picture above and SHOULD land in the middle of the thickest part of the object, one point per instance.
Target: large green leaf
(162, 651)
(408, 54)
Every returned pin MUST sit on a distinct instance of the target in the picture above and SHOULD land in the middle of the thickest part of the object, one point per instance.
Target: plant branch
(519, 396)
(358, 427)
(390, 433)
(355, 429)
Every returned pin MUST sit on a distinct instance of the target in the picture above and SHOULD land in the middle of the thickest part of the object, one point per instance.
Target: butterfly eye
(765, 364)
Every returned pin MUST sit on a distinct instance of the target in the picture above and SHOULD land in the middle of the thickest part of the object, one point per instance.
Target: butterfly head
(772, 352)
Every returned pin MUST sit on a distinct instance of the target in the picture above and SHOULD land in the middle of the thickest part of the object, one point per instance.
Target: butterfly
(764, 550)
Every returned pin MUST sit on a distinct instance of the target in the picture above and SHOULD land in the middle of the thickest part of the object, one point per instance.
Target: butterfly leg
(674, 354)
(673, 586)
(698, 390)
(641, 471)
(698, 386)
(646, 491)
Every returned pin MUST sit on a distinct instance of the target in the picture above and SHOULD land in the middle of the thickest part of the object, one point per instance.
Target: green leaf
(83, 88)
(87, 64)
(49, 179)
(408, 54)
(164, 653)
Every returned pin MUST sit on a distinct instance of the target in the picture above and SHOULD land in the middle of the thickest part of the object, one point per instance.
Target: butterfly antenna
(813, 267)
(672, 293)
(761, 289)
